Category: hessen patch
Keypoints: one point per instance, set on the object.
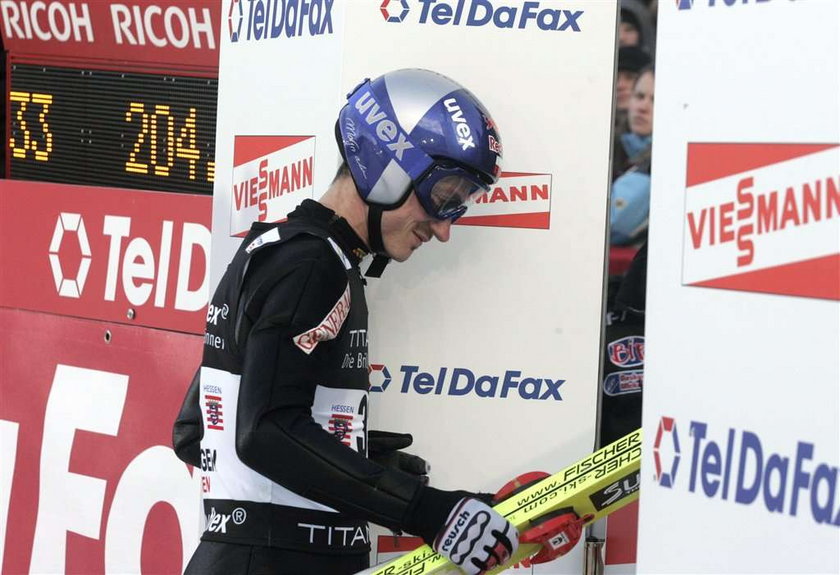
(763, 218)
(271, 176)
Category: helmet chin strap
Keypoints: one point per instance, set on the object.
(377, 244)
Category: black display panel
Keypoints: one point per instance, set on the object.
(104, 128)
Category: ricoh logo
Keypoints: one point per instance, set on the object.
(134, 269)
(462, 381)
(271, 19)
(173, 26)
(736, 465)
(73, 225)
(477, 13)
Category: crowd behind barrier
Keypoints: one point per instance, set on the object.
(623, 351)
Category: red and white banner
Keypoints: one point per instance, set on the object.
(763, 218)
(518, 200)
(271, 175)
(89, 481)
(102, 253)
(183, 33)
(741, 398)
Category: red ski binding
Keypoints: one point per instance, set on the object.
(557, 532)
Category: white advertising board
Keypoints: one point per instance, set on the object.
(487, 348)
(742, 390)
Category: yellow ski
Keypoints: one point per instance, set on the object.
(597, 485)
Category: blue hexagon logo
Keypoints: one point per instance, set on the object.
(394, 10)
(235, 19)
(666, 452)
(380, 377)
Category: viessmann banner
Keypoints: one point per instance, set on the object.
(742, 382)
(503, 322)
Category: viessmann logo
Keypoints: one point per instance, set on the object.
(477, 13)
(763, 217)
(252, 20)
(737, 465)
(462, 381)
(518, 200)
(271, 175)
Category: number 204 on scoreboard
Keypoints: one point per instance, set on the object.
(106, 128)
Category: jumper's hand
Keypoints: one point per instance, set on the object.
(476, 538)
(384, 447)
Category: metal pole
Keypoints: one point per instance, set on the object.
(593, 559)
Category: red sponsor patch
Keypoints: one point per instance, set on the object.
(329, 326)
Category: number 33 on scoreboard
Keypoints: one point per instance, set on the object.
(21, 149)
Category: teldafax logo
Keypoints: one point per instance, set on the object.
(666, 452)
(476, 13)
(394, 10)
(460, 381)
(739, 466)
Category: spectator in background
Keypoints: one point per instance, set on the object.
(630, 195)
(631, 60)
(636, 26)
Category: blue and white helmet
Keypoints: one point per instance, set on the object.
(417, 129)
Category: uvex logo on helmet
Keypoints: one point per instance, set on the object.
(462, 128)
(386, 129)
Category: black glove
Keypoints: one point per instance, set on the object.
(384, 448)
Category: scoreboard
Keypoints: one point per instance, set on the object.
(127, 100)
(112, 128)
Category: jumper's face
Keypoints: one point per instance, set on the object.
(408, 227)
(640, 112)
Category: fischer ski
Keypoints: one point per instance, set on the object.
(593, 487)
